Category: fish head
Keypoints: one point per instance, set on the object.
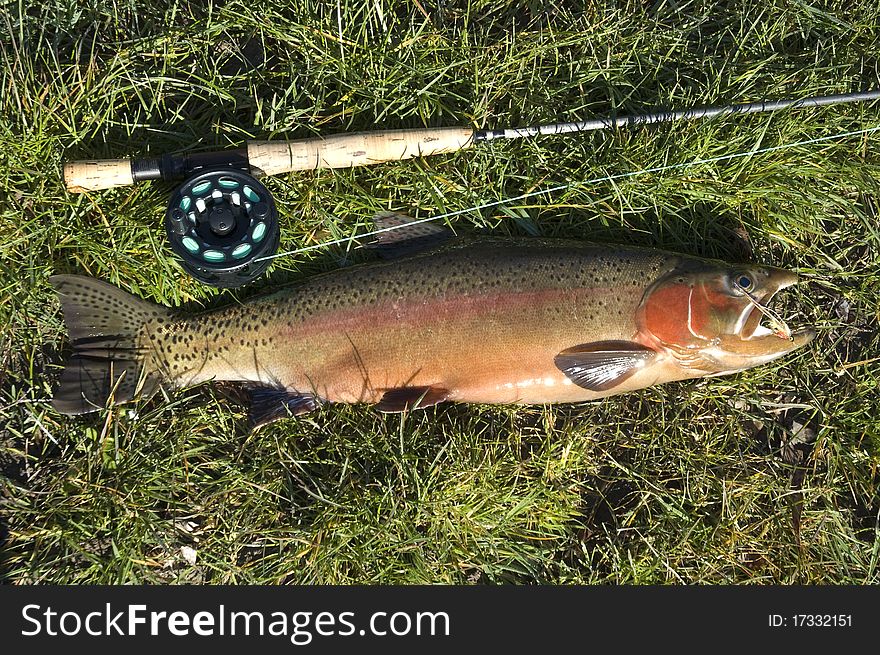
(713, 317)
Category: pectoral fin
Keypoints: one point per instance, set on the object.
(404, 399)
(602, 365)
(270, 404)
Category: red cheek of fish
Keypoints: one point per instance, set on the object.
(665, 314)
(683, 316)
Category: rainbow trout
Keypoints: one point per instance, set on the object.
(483, 320)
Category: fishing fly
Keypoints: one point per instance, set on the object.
(223, 223)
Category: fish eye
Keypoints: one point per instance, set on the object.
(744, 282)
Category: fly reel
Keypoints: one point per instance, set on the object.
(221, 223)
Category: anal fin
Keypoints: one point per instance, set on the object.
(602, 365)
(403, 399)
(270, 404)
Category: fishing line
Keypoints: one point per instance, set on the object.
(572, 185)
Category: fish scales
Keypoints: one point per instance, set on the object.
(464, 318)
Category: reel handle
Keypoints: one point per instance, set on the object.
(357, 149)
(273, 157)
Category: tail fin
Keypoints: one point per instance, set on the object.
(110, 363)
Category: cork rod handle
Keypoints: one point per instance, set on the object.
(358, 149)
(97, 174)
(273, 157)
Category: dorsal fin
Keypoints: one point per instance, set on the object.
(405, 235)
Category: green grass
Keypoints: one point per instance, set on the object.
(698, 482)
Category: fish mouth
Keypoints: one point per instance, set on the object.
(758, 320)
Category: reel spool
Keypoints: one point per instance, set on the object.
(219, 222)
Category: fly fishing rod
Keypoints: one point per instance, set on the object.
(223, 224)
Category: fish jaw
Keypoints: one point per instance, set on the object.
(734, 355)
